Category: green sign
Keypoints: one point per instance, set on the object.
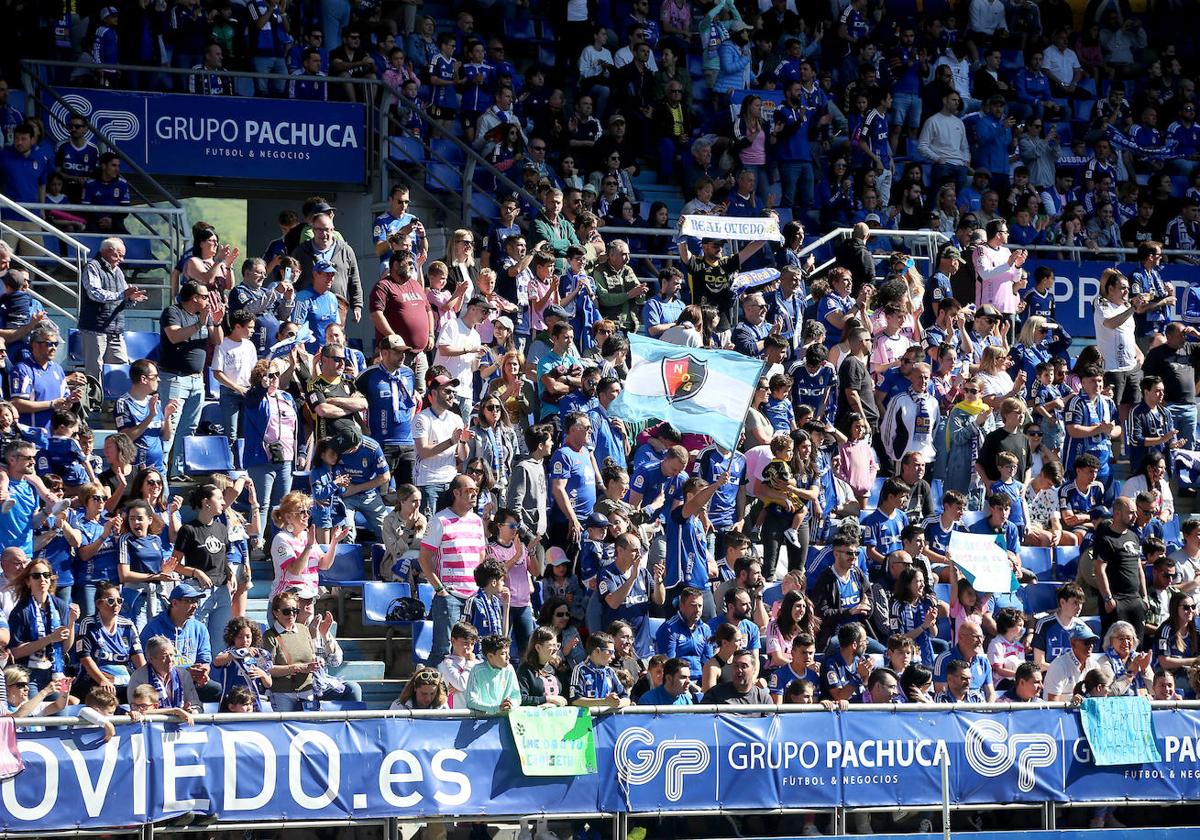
(555, 741)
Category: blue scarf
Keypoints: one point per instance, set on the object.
(175, 700)
(32, 614)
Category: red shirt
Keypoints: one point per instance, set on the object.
(406, 309)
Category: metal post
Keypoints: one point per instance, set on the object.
(1049, 816)
(620, 825)
(945, 796)
(839, 821)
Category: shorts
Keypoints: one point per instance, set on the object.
(1126, 385)
(906, 110)
(441, 112)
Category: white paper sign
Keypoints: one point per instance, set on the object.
(983, 562)
(731, 227)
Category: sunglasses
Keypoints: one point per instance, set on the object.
(96, 498)
(113, 602)
(562, 615)
(427, 678)
(16, 685)
(289, 611)
(41, 575)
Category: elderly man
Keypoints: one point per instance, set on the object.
(102, 308)
(618, 289)
(970, 650)
(39, 384)
(326, 246)
(751, 333)
(193, 647)
(1068, 669)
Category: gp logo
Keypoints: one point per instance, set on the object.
(117, 126)
(991, 752)
(640, 760)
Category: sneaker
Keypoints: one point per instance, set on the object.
(791, 537)
(60, 506)
(811, 830)
(862, 823)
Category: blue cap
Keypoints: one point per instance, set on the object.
(185, 592)
(1083, 631)
(324, 266)
(596, 520)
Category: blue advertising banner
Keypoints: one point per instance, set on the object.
(376, 768)
(1077, 285)
(224, 136)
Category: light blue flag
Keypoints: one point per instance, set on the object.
(705, 392)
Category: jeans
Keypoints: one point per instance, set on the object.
(793, 174)
(287, 703)
(370, 505)
(102, 348)
(85, 596)
(189, 391)
(269, 64)
(1184, 417)
(873, 646)
(447, 610)
(271, 483)
(232, 404)
(943, 172)
(215, 611)
(334, 15)
(144, 603)
(351, 692)
(520, 623)
(430, 493)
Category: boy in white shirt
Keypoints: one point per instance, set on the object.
(231, 365)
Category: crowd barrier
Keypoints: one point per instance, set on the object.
(370, 766)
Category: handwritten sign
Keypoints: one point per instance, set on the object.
(1119, 730)
(731, 227)
(983, 562)
(554, 741)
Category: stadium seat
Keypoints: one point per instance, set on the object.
(207, 454)
(1114, 490)
(1093, 621)
(942, 592)
(1040, 561)
(379, 595)
(347, 568)
(1171, 530)
(873, 498)
(301, 480)
(211, 412)
(422, 641)
(773, 594)
(1039, 597)
(1066, 562)
(971, 517)
(447, 151)
(116, 381)
(441, 177)
(141, 345)
(342, 705)
(74, 346)
(656, 623)
(406, 149)
(378, 552)
(1000, 600)
(519, 29)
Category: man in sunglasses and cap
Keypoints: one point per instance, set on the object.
(459, 348)
(390, 391)
(193, 647)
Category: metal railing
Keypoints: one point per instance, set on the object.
(32, 239)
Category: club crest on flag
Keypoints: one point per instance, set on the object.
(683, 377)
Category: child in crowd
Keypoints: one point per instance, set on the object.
(966, 604)
(456, 668)
(857, 464)
(595, 552)
(326, 488)
(1006, 651)
(779, 488)
(492, 686)
(559, 582)
(1048, 399)
(901, 652)
(63, 456)
(445, 304)
(778, 408)
(487, 609)
(594, 683)
(1006, 464)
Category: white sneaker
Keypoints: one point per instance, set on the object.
(60, 506)
(862, 823)
(791, 537)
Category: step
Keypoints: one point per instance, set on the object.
(359, 670)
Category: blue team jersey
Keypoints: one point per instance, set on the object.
(1071, 498)
(981, 669)
(1084, 411)
(780, 678)
(1007, 535)
(656, 312)
(634, 609)
(1051, 638)
(883, 532)
(779, 414)
(812, 387)
(318, 311)
(1151, 283)
(643, 455)
(128, 413)
(675, 639)
(112, 652)
(365, 463)
(575, 467)
(937, 536)
(478, 97)
(63, 457)
(140, 554)
(28, 381)
(836, 672)
(687, 550)
(875, 134)
(833, 303)
(1015, 491)
(595, 681)
(443, 96)
(391, 403)
(103, 565)
(106, 194)
(1039, 303)
(722, 509)
(485, 613)
(385, 225)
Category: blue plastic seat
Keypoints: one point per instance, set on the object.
(74, 346)
(210, 412)
(1039, 597)
(1040, 561)
(1171, 530)
(141, 345)
(1066, 562)
(440, 177)
(347, 568)
(773, 594)
(115, 381)
(406, 149)
(656, 623)
(1000, 600)
(447, 151)
(343, 706)
(422, 641)
(207, 454)
(378, 597)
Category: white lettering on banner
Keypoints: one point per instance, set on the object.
(296, 769)
(255, 132)
(141, 772)
(1180, 749)
(886, 753)
(94, 795)
(173, 771)
(688, 757)
(245, 741)
(440, 772)
(388, 779)
(773, 755)
(991, 751)
(35, 812)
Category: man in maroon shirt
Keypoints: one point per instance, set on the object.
(399, 306)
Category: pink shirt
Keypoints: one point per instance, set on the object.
(756, 152)
(518, 576)
(997, 276)
(857, 465)
(285, 548)
(458, 544)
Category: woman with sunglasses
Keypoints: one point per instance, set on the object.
(295, 555)
(41, 626)
(555, 616)
(505, 546)
(462, 269)
(149, 486)
(425, 690)
(494, 442)
(293, 656)
(1152, 478)
(757, 427)
(211, 263)
(107, 645)
(272, 426)
(964, 435)
(1177, 644)
(515, 391)
(22, 704)
(1031, 348)
(93, 536)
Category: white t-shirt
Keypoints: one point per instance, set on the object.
(592, 61)
(455, 333)
(434, 429)
(236, 359)
(1117, 346)
(624, 56)
(1064, 672)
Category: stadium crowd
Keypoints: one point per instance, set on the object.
(900, 400)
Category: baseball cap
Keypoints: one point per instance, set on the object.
(987, 311)
(442, 380)
(873, 217)
(596, 520)
(319, 207)
(303, 590)
(589, 187)
(951, 253)
(482, 303)
(555, 311)
(108, 11)
(345, 438)
(1082, 631)
(393, 342)
(737, 26)
(556, 556)
(504, 321)
(185, 592)
(324, 267)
